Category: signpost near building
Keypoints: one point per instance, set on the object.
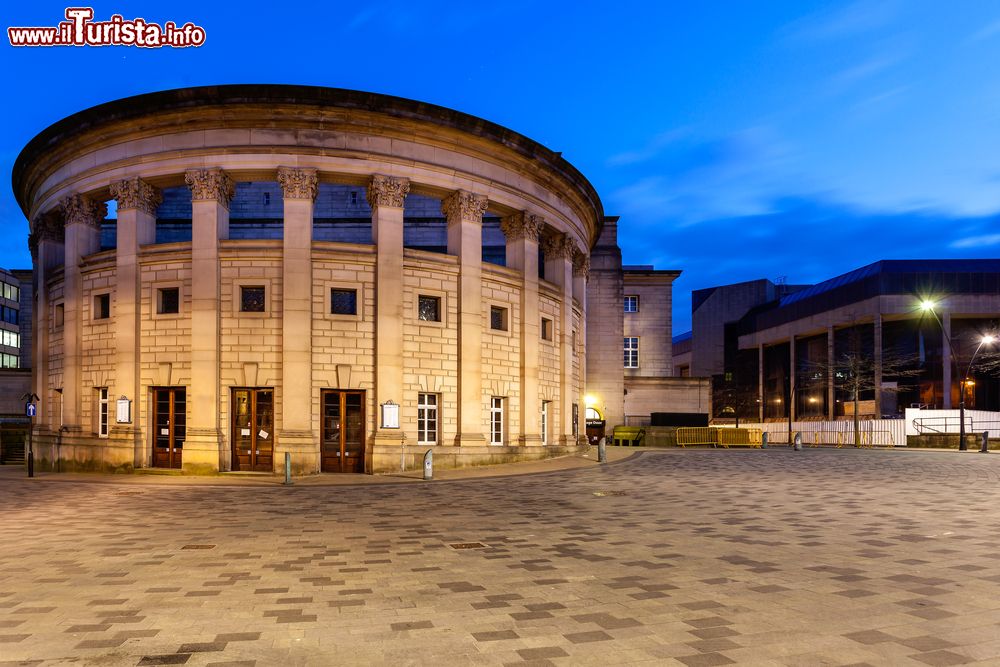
(30, 410)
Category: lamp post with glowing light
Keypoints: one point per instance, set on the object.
(928, 306)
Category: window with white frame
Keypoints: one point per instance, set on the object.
(496, 420)
(102, 412)
(632, 304)
(427, 419)
(631, 352)
(545, 422)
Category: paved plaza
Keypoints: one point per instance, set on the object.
(698, 558)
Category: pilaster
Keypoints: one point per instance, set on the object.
(522, 231)
(581, 274)
(559, 250)
(464, 212)
(296, 435)
(137, 202)
(47, 245)
(386, 196)
(211, 192)
(82, 217)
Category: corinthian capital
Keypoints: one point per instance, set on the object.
(298, 183)
(82, 210)
(559, 246)
(136, 193)
(387, 191)
(210, 184)
(46, 227)
(581, 264)
(462, 205)
(522, 225)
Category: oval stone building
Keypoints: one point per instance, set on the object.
(226, 274)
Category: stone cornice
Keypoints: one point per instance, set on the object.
(136, 193)
(464, 206)
(387, 191)
(82, 210)
(210, 185)
(298, 183)
(522, 225)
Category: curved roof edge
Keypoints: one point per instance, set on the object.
(182, 98)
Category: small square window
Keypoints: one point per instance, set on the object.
(102, 306)
(354, 197)
(343, 301)
(429, 308)
(168, 300)
(60, 314)
(546, 329)
(267, 199)
(632, 304)
(252, 299)
(498, 318)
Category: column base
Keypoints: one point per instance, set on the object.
(470, 439)
(304, 452)
(530, 441)
(202, 451)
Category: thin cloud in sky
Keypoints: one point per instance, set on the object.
(843, 21)
(976, 241)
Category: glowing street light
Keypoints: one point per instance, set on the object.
(929, 305)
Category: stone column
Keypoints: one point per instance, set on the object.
(946, 359)
(296, 435)
(831, 369)
(559, 251)
(46, 243)
(522, 230)
(877, 337)
(464, 212)
(386, 196)
(211, 192)
(581, 273)
(137, 202)
(83, 222)
(760, 382)
(791, 378)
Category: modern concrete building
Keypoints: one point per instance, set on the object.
(15, 360)
(748, 337)
(343, 277)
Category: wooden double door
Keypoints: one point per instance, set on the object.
(342, 445)
(170, 425)
(253, 429)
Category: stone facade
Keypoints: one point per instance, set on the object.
(240, 219)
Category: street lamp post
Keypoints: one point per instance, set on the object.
(929, 306)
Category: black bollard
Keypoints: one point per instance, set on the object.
(985, 449)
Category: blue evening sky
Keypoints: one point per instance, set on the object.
(736, 140)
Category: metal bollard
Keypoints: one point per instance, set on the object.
(763, 440)
(985, 449)
(429, 464)
(602, 452)
(288, 468)
(798, 441)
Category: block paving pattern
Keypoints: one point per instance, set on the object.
(695, 558)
